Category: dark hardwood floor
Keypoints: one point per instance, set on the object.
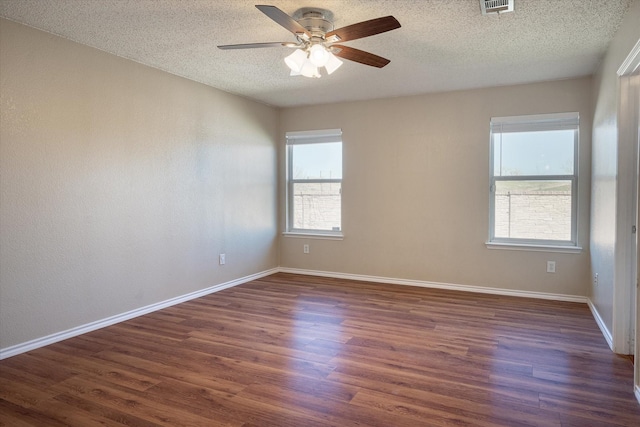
(290, 350)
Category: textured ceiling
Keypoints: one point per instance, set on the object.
(443, 44)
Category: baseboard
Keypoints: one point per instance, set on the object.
(637, 393)
(79, 330)
(437, 285)
(603, 327)
(83, 329)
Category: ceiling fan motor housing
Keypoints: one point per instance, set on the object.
(316, 23)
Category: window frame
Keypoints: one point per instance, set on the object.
(530, 123)
(309, 137)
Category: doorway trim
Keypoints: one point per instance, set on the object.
(626, 322)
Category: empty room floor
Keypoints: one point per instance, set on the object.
(293, 350)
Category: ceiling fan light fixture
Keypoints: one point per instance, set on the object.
(333, 63)
(296, 61)
(315, 38)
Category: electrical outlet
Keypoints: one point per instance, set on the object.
(223, 259)
(551, 266)
(305, 249)
(595, 279)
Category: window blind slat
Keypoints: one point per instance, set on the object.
(314, 136)
(556, 121)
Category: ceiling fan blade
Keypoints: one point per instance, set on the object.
(256, 45)
(363, 29)
(360, 56)
(283, 19)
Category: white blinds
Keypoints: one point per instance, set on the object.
(556, 121)
(314, 136)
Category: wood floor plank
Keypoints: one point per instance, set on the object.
(22, 394)
(450, 411)
(129, 401)
(325, 407)
(291, 350)
(13, 415)
(82, 413)
(95, 368)
(591, 409)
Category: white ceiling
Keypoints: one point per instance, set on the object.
(443, 45)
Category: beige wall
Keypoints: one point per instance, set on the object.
(121, 184)
(605, 164)
(416, 189)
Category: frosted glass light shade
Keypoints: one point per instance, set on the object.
(332, 64)
(309, 70)
(306, 63)
(296, 60)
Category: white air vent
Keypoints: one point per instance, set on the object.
(490, 7)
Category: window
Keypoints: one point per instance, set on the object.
(534, 180)
(314, 182)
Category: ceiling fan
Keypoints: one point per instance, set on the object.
(316, 40)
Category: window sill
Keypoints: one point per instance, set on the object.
(312, 235)
(534, 248)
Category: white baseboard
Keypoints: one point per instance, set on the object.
(83, 329)
(437, 285)
(603, 327)
(637, 393)
(79, 330)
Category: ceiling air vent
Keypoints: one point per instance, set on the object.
(489, 7)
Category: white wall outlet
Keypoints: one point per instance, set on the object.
(595, 279)
(551, 266)
(305, 249)
(223, 259)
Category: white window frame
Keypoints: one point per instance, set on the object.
(540, 122)
(309, 137)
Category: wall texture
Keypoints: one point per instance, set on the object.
(121, 184)
(416, 189)
(605, 164)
